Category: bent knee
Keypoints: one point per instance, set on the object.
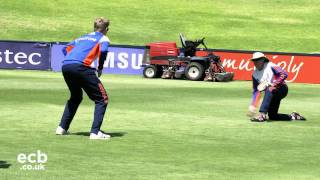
(76, 99)
(102, 103)
(105, 100)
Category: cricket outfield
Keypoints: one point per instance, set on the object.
(162, 129)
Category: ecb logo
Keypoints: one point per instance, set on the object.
(33, 161)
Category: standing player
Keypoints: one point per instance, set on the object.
(269, 78)
(78, 74)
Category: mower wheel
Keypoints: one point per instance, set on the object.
(194, 71)
(150, 71)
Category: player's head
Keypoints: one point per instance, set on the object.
(101, 25)
(258, 59)
(259, 56)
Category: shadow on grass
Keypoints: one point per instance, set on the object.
(112, 134)
(285, 120)
(4, 165)
(278, 120)
(269, 121)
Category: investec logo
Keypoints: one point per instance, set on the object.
(21, 58)
(32, 161)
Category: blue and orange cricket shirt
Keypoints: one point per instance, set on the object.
(86, 49)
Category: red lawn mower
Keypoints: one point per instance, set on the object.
(165, 60)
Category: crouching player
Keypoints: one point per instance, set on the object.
(269, 78)
(79, 75)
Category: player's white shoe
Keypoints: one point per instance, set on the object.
(61, 131)
(100, 135)
(296, 116)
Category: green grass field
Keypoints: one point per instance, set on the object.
(162, 129)
(266, 25)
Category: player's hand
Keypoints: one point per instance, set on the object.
(272, 87)
(252, 111)
(99, 72)
(263, 85)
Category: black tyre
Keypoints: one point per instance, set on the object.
(150, 71)
(159, 71)
(194, 71)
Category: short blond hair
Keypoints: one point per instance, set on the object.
(101, 24)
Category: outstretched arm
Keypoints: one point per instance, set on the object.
(255, 99)
(255, 93)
